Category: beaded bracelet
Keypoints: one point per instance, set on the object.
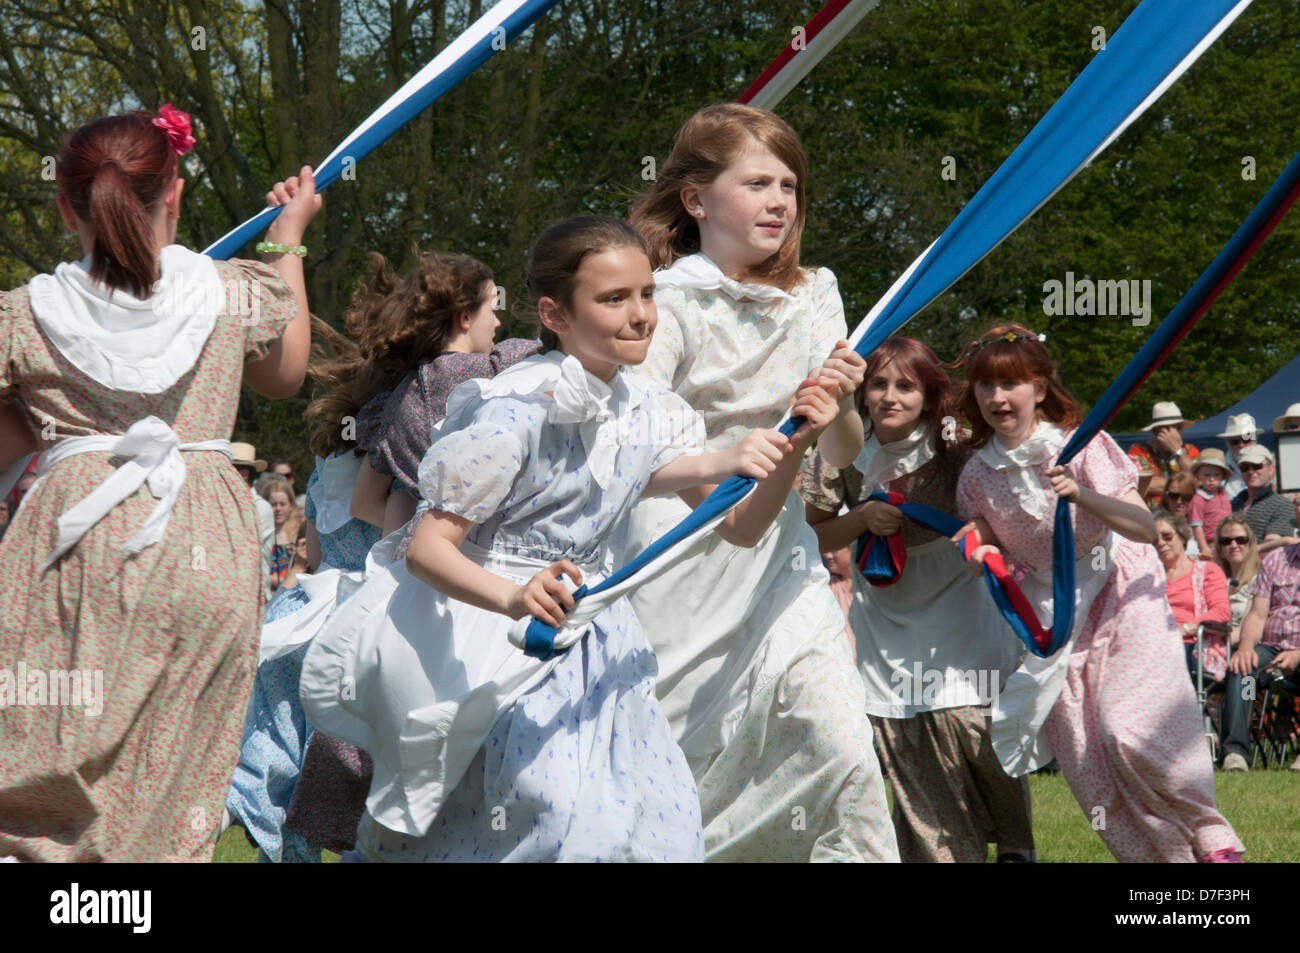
(263, 248)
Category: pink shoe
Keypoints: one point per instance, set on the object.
(1225, 855)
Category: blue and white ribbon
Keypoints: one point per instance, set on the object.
(489, 34)
(1156, 44)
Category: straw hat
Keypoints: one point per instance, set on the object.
(1241, 425)
(1280, 423)
(1165, 414)
(1212, 457)
(245, 455)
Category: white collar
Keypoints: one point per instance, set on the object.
(332, 492)
(575, 396)
(699, 272)
(1025, 464)
(127, 343)
(879, 463)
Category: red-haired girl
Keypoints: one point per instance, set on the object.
(1114, 705)
(932, 647)
(756, 672)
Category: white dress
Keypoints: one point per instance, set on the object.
(482, 753)
(755, 670)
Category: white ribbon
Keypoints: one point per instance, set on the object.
(1023, 465)
(699, 272)
(579, 398)
(155, 453)
(879, 463)
(590, 402)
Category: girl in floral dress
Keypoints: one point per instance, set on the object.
(134, 560)
(1113, 705)
(481, 752)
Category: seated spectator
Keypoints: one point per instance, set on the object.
(1270, 630)
(282, 468)
(1165, 451)
(1180, 490)
(299, 563)
(1289, 421)
(1240, 433)
(1197, 591)
(1237, 554)
(1269, 514)
(279, 494)
(1210, 505)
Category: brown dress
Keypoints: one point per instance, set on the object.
(171, 633)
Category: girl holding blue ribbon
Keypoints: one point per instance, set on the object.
(134, 559)
(483, 753)
(1113, 705)
(932, 648)
(756, 673)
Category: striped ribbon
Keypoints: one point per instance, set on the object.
(806, 49)
(489, 34)
(1153, 47)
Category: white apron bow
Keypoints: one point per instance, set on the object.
(155, 453)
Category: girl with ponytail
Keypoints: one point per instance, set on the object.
(134, 562)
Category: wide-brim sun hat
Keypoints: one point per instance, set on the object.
(1165, 414)
(245, 455)
(1212, 457)
(1241, 425)
(1292, 413)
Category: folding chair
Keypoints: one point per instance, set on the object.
(1203, 691)
(1276, 725)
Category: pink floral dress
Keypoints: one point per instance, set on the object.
(169, 636)
(1125, 729)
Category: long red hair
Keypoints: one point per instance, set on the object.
(1011, 352)
(112, 171)
(705, 146)
(914, 360)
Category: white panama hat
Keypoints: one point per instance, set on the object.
(1165, 414)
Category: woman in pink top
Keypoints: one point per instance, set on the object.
(1198, 592)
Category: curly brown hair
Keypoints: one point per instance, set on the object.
(395, 324)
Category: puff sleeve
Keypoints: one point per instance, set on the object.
(262, 302)
(469, 471)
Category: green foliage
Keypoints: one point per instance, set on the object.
(561, 123)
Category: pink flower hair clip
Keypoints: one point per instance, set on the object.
(176, 125)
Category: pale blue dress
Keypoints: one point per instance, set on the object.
(276, 731)
(583, 767)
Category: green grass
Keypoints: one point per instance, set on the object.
(1264, 807)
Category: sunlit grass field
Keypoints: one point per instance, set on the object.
(1264, 807)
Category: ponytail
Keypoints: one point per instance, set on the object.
(112, 172)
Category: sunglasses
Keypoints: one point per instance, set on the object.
(1249, 467)
(1238, 441)
(1185, 497)
(1239, 540)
